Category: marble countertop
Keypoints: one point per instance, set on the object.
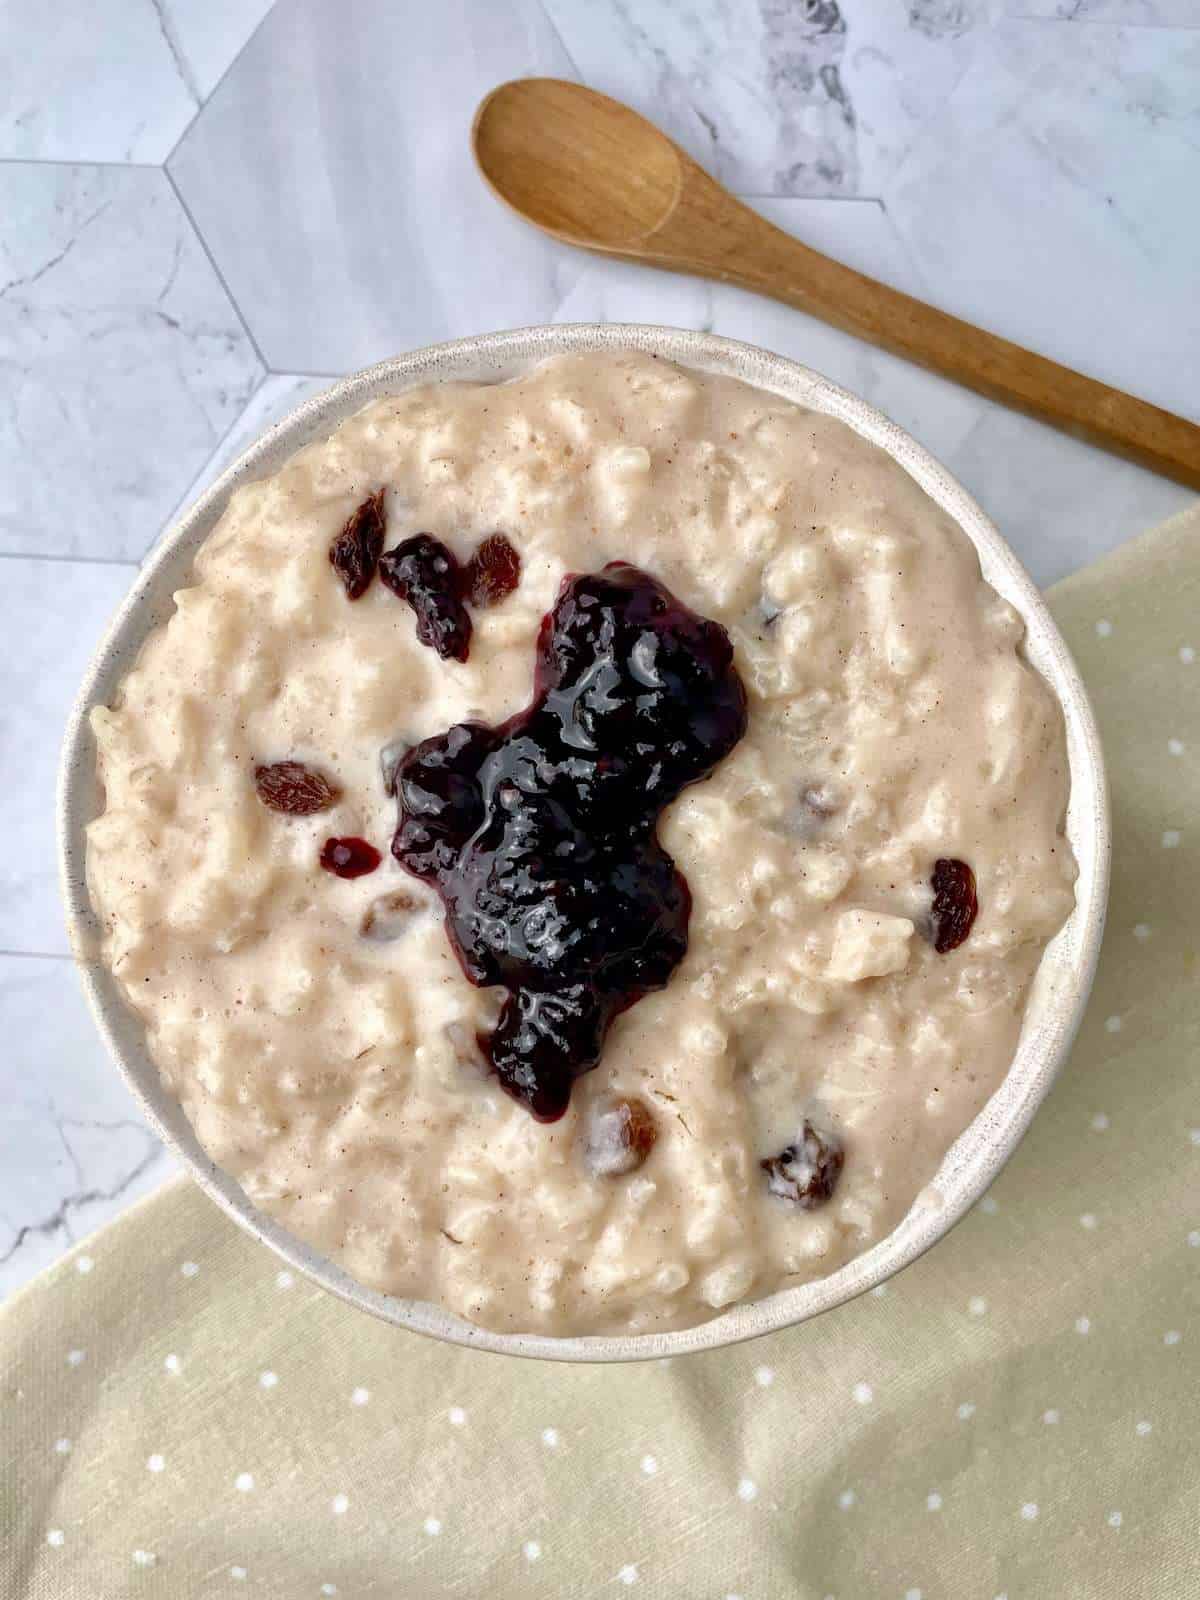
(210, 207)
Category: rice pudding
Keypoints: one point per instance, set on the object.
(480, 615)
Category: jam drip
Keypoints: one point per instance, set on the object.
(540, 835)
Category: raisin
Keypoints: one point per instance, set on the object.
(349, 858)
(540, 835)
(355, 552)
(291, 787)
(493, 572)
(424, 573)
(955, 904)
(389, 916)
(807, 1170)
(620, 1135)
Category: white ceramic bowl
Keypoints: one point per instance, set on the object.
(1063, 979)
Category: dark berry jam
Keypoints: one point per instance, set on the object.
(349, 858)
(540, 835)
(422, 571)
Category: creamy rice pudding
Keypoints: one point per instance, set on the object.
(593, 973)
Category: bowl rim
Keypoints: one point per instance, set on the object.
(1064, 976)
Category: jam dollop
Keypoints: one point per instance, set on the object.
(540, 834)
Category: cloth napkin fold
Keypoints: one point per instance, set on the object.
(1014, 1416)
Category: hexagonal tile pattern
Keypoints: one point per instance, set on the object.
(331, 177)
(125, 362)
(206, 35)
(776, 97)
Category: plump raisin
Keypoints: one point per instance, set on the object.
(493, 572)
(424, 573)
(349, 858)
(955, 904)
(807, 1170)
(540, 835)
(356, 550)
(291, 787)
(388, 917)
(620, 1134)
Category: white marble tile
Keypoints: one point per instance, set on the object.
(772, 96)
(361, 228)
(54, 612)
(73, 1148)
(89, 80)
(1132, 13)
(206, 36)
(125, 363)
(1052, 200)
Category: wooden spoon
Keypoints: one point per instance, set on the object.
(593, 173)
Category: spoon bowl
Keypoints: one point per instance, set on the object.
(615, 200)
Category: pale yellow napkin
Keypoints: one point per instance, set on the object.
(1016, 1415)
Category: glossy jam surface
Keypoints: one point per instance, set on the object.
(422, 571)
(540, 835)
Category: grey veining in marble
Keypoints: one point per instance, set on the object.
(1133, 13)
(125, 363)
(112, 80)
(89, 80)
(206, 36)
(73, 1149)
(1031, 164)
(775, 97)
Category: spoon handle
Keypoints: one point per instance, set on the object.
(745, 249)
